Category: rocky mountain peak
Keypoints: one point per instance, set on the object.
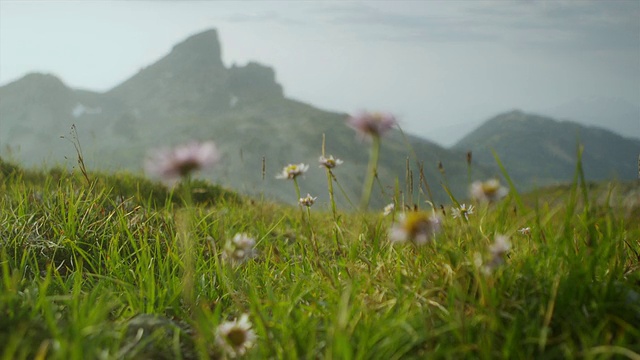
(198, 51)
(192, 74)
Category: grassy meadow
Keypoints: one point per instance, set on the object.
(114, 266)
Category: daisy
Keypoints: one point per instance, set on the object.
(389, 209)
(463, 211)
(329, 162)
(525, 231)
(239, 249)
(488, 191)
(235, 337)
(308, 200)
(171, 165)
(417, 227)
(500, 246)
(372, 124)
(497, 251)
(292, 171)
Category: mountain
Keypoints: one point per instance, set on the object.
(620, 116)
(538, 150)
(190, 94)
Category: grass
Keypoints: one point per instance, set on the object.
(96, 270)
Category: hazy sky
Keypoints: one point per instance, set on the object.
(442, 67)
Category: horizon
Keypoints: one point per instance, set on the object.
(571, 62)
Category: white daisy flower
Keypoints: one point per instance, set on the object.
(488, 191)
(500, 246)
(462, 212)
(525, 231)
(292, 171)
(329, 162)
(235, 337)
(389, 209)
(308, 200)
(239, 249)
(417, 227)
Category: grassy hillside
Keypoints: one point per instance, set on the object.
(115, 267)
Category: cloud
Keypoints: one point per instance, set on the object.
(261, 14)
(613, 25)
(572, 25)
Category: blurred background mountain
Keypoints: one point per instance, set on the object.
(190, 94)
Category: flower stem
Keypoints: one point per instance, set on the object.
(312, 235)
(344, 193)
(295, 184)
(333, 202)
(371, 173)
(184, 223)
(330, 178)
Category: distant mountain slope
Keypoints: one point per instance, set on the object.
(620, 116)
(537, 150)
(190, 94)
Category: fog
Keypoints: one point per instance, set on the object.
(441, 67)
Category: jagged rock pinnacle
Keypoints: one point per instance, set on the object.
(198, 49)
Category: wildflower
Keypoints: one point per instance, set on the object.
(389, 209)
(497, 251)
(417, 227)
(235, 337)
(500, 246)
(488, 191)
(477, 259)
(239, 249)
(463, 211)
(308, 200)
(525, 231)
(173, 164)
(372, 124)
(292, 171)
(329, 162)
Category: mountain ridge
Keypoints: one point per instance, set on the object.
(186, 95)
(552, 145)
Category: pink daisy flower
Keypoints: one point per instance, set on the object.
(372, 124)
(171, 165)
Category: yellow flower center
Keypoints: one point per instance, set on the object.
(490, 187)
(416, 223)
